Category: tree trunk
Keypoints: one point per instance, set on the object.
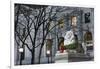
(40, 54)
(33, 50)
(33, 56)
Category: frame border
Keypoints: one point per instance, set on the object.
(12, 66)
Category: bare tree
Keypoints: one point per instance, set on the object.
(34, 18)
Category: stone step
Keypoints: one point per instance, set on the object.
(80, 55)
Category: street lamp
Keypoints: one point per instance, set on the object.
(49, 49)
(48, 54)
(21, 50)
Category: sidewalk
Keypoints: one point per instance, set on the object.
(61, 57)
(78, 57)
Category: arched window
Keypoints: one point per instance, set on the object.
(88, 36)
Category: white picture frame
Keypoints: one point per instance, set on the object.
(55, 3)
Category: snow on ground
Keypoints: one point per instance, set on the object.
(61, 57)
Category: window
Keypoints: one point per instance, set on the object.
(61, 23)
(87, 17)
(88, 36)
(74, 21)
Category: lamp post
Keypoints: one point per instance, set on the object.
(48, 54)
(21, 50)
(49, 49)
